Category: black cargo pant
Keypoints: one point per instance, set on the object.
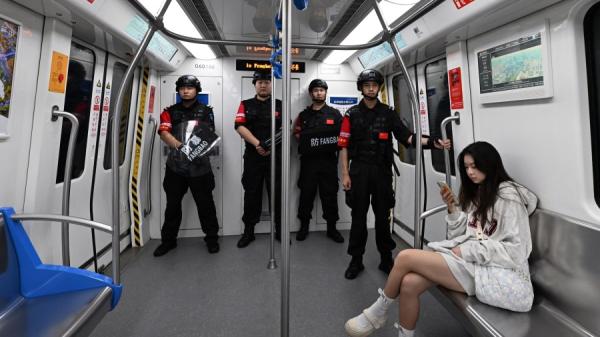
(175, 187)
(370, 182)
(318, 172)
(257, 172)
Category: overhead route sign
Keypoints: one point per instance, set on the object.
(244, 65)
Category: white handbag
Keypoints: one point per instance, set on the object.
(505, 288)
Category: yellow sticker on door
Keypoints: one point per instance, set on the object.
(58, 72)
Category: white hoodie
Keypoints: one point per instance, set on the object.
(507, 239)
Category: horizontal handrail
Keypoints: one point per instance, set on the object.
(62, 218)
(433, 211)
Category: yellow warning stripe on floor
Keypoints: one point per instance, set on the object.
(135, 202)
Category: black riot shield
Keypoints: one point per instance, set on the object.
(200, 142)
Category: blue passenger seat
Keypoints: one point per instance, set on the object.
(38, 300)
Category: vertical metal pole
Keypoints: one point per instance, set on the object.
(66, 199)
(418, 243)
(445, 122)
(272, 263)
(116, 246)
(285, 170)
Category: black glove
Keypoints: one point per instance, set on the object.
(349, 198)
(431, 141)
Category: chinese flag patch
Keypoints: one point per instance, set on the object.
(384, 135)
(329, 122)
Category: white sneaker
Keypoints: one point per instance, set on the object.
(371, 319)
(402, 332)
(359, 326)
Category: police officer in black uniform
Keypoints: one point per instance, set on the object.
(253, 123)
(317, 129)
(367, 157)
(181, 173)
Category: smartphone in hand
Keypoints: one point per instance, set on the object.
(444, 187)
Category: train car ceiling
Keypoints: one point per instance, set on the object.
(427, 35)
(112, 25)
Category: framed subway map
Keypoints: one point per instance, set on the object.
(8, 49)
(514, 64)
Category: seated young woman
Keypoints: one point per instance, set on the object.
(488, 245)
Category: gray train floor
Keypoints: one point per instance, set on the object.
(189, 292)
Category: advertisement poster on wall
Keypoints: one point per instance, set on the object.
(8, 48)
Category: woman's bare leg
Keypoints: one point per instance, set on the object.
(430, 265)
(413, 285)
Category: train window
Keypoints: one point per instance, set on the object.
(438, 104)
(78, 99)
(402, 105)
(117, 79)
(592, 51)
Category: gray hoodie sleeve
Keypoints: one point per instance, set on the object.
(457, 224)
(504, 247)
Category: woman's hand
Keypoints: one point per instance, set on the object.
(346, 182)
(448, 198)
(456, 251)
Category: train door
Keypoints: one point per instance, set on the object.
(405, 161)
(434, 107)
(83, 88)
(264, 225)
(212, 94)
(101, 185)
(434, 99)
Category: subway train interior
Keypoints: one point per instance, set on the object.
(77, 236)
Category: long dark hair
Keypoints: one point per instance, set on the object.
(481, 196)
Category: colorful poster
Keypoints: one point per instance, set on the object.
(8, 49)
(456, 93)
(58, 72)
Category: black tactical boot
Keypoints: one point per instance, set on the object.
(164, 248)
(303, 232)
(387, 262)
(212, 246)
(333, 233)
(354, 268)
(247, 237)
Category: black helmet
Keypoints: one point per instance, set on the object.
(261, 75)
(317, 83)
(368, 75)
(188, 81)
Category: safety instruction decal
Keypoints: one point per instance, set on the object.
(58, 72)
(455, 85)
(423, 116)
(462, 3)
